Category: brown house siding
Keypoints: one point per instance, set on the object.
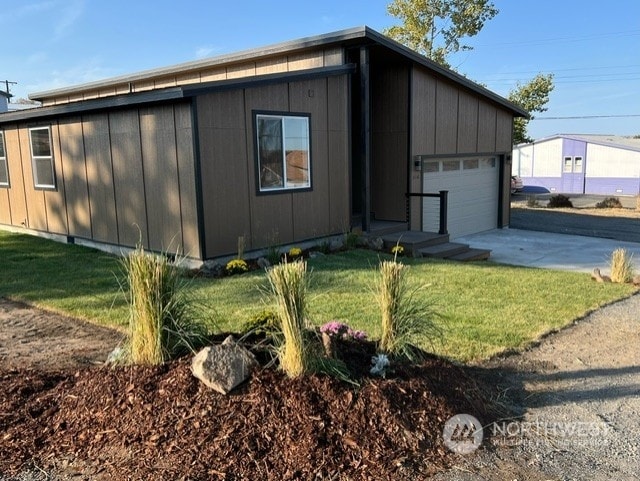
(231, 206)
(120, 177)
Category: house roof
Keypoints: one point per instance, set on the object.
(342, 37)
(608, 140)
(5, 94)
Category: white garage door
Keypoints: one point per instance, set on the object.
(473, 194)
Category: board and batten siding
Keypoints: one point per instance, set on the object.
(447, 119)
(231, 206)
(121, 177)
(293, 61)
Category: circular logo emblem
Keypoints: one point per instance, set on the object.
(462, 434)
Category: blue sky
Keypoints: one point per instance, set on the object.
(593, 48)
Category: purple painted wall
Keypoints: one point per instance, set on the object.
(612, 185)
(541, 185)
(574, 148)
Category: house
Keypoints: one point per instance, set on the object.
(283, 144)
(580, 164)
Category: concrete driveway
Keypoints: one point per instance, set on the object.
(549, 250)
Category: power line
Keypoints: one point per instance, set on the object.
(577, 117)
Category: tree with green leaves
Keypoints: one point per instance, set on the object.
(532, 96)
(437, 29)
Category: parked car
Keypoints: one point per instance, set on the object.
(516, 184)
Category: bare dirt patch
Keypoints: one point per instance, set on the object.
(33, 338)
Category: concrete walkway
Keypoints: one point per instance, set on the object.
(548, 250)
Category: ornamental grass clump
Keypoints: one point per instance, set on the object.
(289, 283)
(162, 318)
(405, 316)
(621, 266)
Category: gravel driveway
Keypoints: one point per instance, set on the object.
(579, 395)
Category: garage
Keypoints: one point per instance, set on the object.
(473, 185)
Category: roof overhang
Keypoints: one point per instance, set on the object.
(353, 36)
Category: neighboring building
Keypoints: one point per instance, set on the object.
(4, 101)
(583, 164)
(288, 143)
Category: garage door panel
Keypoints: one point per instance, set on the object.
(472, 201)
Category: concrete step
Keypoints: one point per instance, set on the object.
(444, 251)
(472, 255)
(412, 241)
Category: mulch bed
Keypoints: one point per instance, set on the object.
(159, 423)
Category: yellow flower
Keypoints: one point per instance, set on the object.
(295, 252)
(397, 250)
(236, 266)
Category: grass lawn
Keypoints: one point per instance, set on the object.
(486, 308)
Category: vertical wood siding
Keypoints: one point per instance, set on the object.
(231, 205)
(121, 177)
(321, 57)
(17, 199)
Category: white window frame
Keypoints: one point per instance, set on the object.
(3, 161)
(286, 186)
(577, 164)
(35, 158)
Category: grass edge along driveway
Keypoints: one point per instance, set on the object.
(486, 308)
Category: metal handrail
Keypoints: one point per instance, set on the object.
(443, 195)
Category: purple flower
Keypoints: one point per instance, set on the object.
(340, 329)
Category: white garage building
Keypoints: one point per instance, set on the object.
(582, 164)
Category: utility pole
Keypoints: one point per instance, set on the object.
(7, 83)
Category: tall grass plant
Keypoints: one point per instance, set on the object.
(289, 284)
(621, 266)
(405, 317)
(162, 318)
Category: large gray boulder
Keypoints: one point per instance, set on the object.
(224, 366)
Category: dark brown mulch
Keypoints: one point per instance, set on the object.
(161, 423)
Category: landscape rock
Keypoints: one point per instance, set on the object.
(263, 263)
(212, 268)
(375, 243)
(336, 245)
(224, 366)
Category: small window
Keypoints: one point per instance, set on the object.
(568, 165)
(469, 164)
(283, 152)
(42, 158)
(431, 166)
(577, 164)
(4, 170)
(449, 165)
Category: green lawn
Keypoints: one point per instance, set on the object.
(487, 308)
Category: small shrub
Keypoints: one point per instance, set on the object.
(559, 201)
(325, 247)
(638, 202)
(532, 201)
(405, 317)
(265, 321)
(621, 266)
(289, 283)
(236, 266)
(351, 240)
(295, 252)
(162, 318)
(609, 203)
(273, 255)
